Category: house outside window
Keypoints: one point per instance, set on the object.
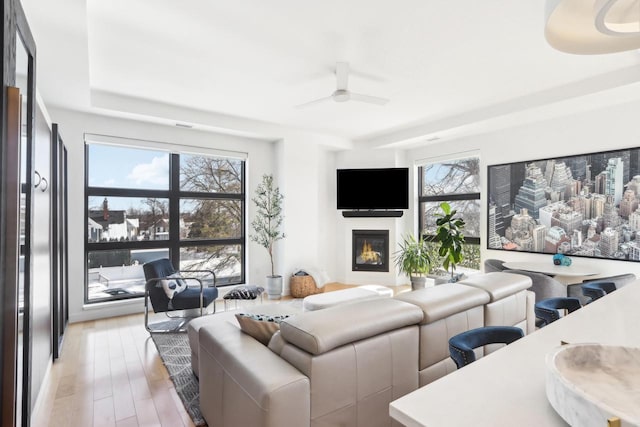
(457, 182)
(144, 204)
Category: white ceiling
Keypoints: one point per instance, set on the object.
(446, 66)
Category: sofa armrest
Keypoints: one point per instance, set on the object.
(242, 382)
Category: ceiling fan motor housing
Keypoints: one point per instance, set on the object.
(341, 95)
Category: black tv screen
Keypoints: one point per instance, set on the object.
(373, 188)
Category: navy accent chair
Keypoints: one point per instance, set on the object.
(595, 290)
(191, 298)
(547, 310)
(461, 346)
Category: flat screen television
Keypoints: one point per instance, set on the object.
(373, 188)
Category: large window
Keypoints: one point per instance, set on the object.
(456, 182)
(144, 204)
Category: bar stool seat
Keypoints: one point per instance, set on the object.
(547, 310)
(595, 290)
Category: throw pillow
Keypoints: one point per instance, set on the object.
(244, 292)
(260, 326)
(173, 284)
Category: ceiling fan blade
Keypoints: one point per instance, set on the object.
(368, 98)
(342, 75)
(314, 102)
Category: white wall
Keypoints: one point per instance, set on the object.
(299, 163)
(301, 173)
(317, 234)
(607, 129)
(364, 158)
(73, 125)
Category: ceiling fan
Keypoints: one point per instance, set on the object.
(342, 94)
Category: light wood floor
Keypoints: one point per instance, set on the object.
(110, 374)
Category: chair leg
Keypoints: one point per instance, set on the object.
(147, 326)
(146, 311)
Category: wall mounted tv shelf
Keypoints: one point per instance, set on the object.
(372, 214)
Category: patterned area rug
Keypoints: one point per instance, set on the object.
(176, 355)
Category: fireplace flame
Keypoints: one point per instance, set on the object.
(367, 254)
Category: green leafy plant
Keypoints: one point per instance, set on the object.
(269, 217)
(413, 258)
(449, 234)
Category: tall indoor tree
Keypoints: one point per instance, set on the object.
(266, 226)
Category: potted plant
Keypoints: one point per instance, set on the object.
(266, 227)
(413, 260)
(449, 235)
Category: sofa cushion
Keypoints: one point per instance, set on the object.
(260, 326)
(444, 300)
(499, 285)
(317, 332)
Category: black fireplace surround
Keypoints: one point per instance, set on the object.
(370, 250)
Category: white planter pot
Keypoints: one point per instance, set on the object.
(439, 280)
(274, 287)
(418, 283)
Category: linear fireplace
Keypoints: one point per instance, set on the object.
(370, 250)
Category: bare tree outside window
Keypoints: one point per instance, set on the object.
(140, 209)
(211, 218)
(456, 182)
(210, 174)
(453, 177)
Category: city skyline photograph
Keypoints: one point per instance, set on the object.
(582, 205)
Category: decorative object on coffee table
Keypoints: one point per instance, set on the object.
(266, 227)
(413, 260)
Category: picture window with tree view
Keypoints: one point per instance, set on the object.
(144, 204)
(456, 182)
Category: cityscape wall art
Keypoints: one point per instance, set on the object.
(582, 205)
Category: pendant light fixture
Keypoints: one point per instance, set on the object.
(590, 27)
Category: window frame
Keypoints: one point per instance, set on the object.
(174, 195)
(450, 197)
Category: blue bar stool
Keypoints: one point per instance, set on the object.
(595, 290)
(461, 346)
(547, 309)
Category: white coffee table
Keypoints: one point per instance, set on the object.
(344, 296)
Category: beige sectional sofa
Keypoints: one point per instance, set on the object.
(343, 365)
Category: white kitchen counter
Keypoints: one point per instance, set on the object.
(507, 388)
